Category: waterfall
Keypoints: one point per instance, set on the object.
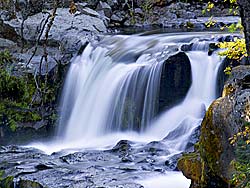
(112, 92)
(103, 95)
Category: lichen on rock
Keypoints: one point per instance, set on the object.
(225, 117)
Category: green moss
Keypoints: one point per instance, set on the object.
(16, 95)
(22, 98)
(8, 182)
(190, 165)
(13, 125)
(210, 144)
(30, 184)
(1, 174)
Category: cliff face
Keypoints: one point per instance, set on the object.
(210, 165)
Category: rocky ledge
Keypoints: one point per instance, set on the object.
(27, 167)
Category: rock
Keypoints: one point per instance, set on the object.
(103, 6)
(191, 166)
(29, 183)
(8, 32)
(7, 182)
(123, 147)
(64, 24)
(155, 147)
(138, 11)
(175, 81)
(186, 14)
(89, 12)
(34, 65)
(171, 163)
(81, 6)
(224, 118)
(5, 15)
(187, 47)
(118, 17)
(27, 8)
(6, 44)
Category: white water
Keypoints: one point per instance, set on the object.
(111, 91)
(169, 180)
(186, 116)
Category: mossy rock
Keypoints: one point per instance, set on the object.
(7, 182)
(225, 117)
(29, 184)
(191, 166)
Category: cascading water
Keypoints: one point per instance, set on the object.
(112, 89)
(108, 95)
(179, 122)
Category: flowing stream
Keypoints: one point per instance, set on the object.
(111, 93)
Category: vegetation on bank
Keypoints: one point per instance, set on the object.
(238, 50)
(20, 99)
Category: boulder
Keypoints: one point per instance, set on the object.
(225, 117)
(103, 6)
(175, 81)
(89, 12)
(64, 24)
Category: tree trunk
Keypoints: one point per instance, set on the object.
(244, 6)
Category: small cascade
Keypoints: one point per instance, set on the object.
(179, 122)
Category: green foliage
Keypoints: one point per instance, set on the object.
(16, 95)
(234, 27)
(210, 23)
(1, 174)
(241, 142)
(5, 57)
(233, 50)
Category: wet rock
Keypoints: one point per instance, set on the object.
(224, 118)
(171, 163)
(194, 138)
(176, 79)
(155, 148)
(123, 147)
(187, 47)
(191, 166)
(212, 48)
